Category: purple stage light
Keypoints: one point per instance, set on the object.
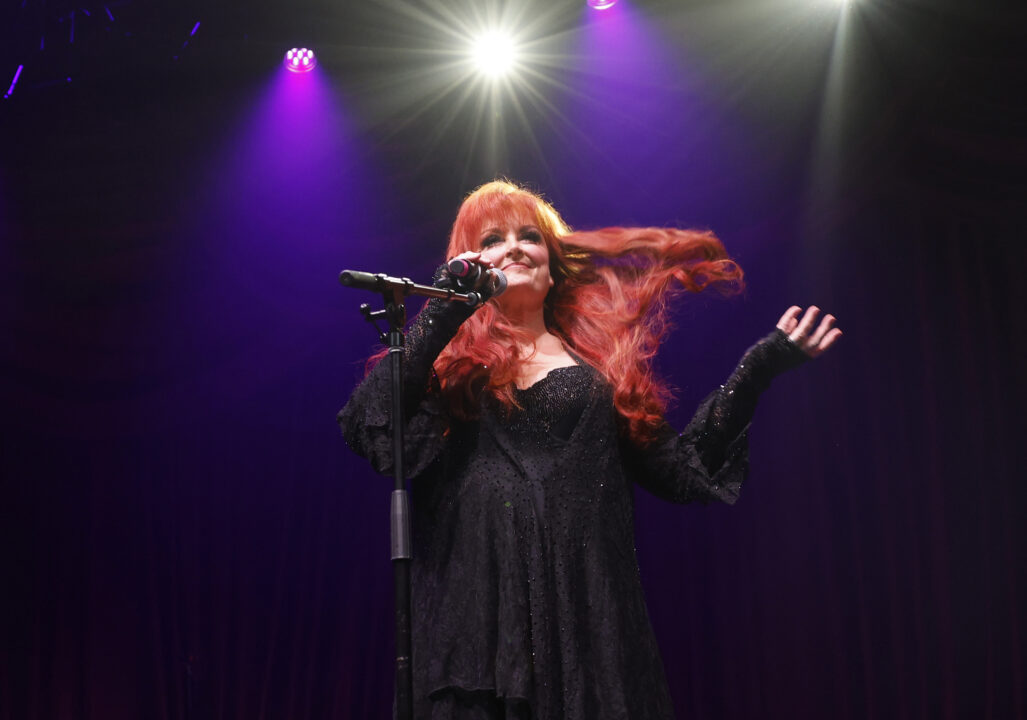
(601, 4)
(300, 60)
(17, 74)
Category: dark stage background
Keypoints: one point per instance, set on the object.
(184, 533)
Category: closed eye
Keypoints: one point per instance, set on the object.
(490, 240)
(532, 236)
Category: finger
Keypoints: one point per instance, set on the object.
(830, 339)
(471, 256)
(822, 330)
(468, 255)
(477, 257)
(788, 320)
(801, 333)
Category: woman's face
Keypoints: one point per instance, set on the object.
(519, 250)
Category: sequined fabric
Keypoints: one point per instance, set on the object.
(527, 597)
(553, 405)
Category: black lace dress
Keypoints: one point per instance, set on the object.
(527, 601)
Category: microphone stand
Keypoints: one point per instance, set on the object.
(393, 291)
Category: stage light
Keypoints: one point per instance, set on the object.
(300, 60)
(494, 54)
(17, 74)
(600, 4)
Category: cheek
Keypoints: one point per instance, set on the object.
(546, 274)
(541, 259)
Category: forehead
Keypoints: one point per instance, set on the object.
(506, 224)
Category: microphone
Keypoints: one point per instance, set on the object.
(475, 279)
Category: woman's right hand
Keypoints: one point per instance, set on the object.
(445, 278)
(471, 256)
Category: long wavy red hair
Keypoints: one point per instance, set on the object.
(608, 304)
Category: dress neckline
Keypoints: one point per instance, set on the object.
(547, 376)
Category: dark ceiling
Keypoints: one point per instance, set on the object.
(923, 68)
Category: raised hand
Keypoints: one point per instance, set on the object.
(801, 332)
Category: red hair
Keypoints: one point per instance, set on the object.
(608, 305)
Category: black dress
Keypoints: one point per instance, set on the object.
(527, 601)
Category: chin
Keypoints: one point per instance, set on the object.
(520, 291)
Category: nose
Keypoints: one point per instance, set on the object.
(513, 248)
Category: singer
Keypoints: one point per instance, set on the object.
(529, 420)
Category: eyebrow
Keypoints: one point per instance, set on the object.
(498, 230)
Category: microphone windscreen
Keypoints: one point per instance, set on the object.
(500, 281)
(459, 268)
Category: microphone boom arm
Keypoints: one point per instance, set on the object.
(401, 287)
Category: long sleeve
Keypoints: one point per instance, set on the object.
(366, 420)
(709, 460)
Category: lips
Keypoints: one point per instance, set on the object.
(513, 265)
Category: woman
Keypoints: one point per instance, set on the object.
(524, 443)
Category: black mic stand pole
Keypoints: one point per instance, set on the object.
(393, 291)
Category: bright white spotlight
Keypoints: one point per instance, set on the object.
(600, 4)
(494, 53)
